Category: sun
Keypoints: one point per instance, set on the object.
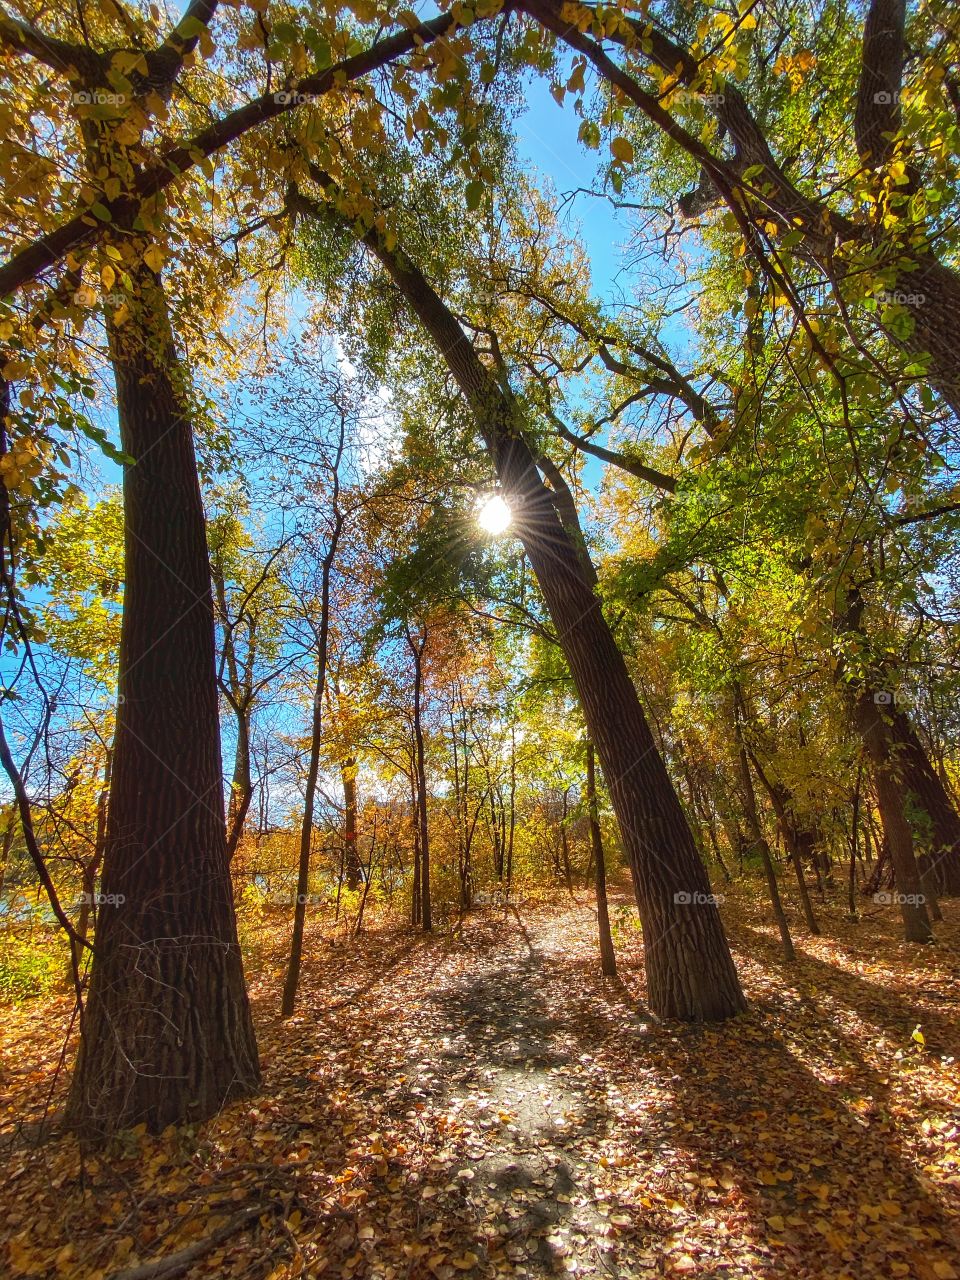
(494, 515)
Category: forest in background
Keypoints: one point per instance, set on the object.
(384, 578)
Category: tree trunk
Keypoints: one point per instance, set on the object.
(89, 873)
(876, 735)
(759, 842)
(565, 841)
(167, 1035)
(793, 838)
(348, 771)
(241, 784)
(316, 727)
(925, 787)
(707, 817)
(608, 959)
(241, 787)
(690, 972)
(416, 902)
(497, 831)
(294, 964)
(238, 696)
(417, 648)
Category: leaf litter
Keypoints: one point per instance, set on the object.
(484, 1103)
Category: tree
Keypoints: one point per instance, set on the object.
(167, 1033)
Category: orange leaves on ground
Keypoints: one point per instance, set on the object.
(491, 1107)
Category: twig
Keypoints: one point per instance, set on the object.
(174, 1264)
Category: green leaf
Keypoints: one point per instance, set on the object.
(285, 32)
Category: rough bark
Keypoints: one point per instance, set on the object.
(911, 899)
(167, 1034)
(877, 115)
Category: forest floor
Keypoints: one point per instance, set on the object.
(483, 1103)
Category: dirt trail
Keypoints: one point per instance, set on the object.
(492, 1046)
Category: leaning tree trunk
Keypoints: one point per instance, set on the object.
(690, 972)
(926, 789)
(167, 1034)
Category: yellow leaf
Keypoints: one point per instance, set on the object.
(107, 275)
(127, 134)
(129, 60)
(621, 149)
(154, 257)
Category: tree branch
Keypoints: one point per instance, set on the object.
(659, 479)
(881, 72)
(84, 227)
(58, 55)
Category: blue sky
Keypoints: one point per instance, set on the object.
(547, 139)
